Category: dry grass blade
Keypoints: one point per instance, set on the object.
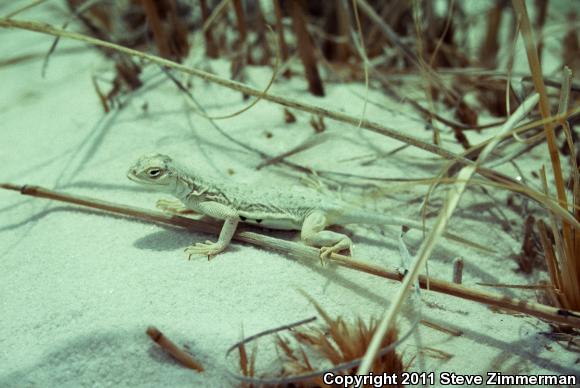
(432, 238)
(436, 353)
(395, 40)
(342, 343)
(217, 11)
(293, 249)
(428, 87)
(159, 33)
(306, 48)
(490, 47)
(337, 330)
(310, 142)
(519, 286)
(211, 49)
(572, 260)
(166, 344)
(562, 254)
(551, 261)
(247, 365)
(447, 330)
(250, 105)
(282, 46)
(538, 78)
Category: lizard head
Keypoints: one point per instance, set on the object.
(154, 170)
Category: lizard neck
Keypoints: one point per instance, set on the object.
(186, 184)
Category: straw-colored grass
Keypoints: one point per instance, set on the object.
(338, 344)
(563, 255)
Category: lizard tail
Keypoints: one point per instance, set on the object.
(359, 216)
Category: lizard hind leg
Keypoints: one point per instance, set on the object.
(329, 242)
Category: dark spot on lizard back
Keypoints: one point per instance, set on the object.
(243, 218)
(258, 220)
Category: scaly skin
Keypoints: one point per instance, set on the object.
(295, 208)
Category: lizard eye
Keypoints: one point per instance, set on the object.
(154, 172)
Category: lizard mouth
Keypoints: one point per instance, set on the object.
(133, 177)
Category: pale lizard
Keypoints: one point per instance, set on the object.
(296, 208)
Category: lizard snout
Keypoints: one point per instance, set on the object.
(131, 173)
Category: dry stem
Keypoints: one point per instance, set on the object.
(211, 49)
(166, 344)
(306, 48)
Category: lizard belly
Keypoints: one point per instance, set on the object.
(281, 223)
(276, 224)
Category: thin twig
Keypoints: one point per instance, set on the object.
(457, 270)
(166, 344)
(396, 41)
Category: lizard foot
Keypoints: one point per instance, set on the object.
(325, 252)
(208, 249)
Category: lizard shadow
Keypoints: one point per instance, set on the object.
(169, 239)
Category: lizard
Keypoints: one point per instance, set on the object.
(299, 208)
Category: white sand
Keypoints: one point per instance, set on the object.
(79, 287)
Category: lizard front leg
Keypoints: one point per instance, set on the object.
(173, 207)
(231, 219)
(313, 234)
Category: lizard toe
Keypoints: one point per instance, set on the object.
(325, 253)
(208, 248)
